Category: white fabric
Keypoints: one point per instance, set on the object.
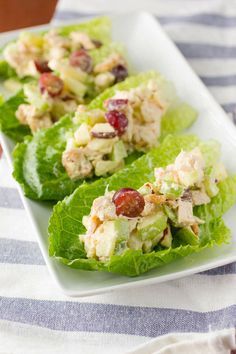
(220, 342)
(205, 302)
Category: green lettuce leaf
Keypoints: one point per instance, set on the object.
(133, 263)
(98, 28)
(66, 221)
(6, 71)
(38, 167)
(9, 124)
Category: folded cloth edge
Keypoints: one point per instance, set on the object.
(220, 342)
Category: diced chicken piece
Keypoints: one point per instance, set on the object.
(54, 39)
(22, 113)
(159, 174)
(161, 91)
(151, 203)
(70, 105)
(172, 203)
(128, 135)
(109, 63)
(149, 208)
(104, 208)
(150, 111)
(190, 167)
(146, 135)
(104, 80)
(56, 53)
(185, 213)
(21, 61)
(200, 197)
(168, 173)
(38, 122)
(71, 144)
(76, 164)
(91, 223)
(81, 108)
(160, 101)
(56, 45)
(29, 115)
(89, 244)
(80, 39)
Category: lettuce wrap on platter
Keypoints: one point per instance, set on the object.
(118, 126)
(57, 71)
(166, 205)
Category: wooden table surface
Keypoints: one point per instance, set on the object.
(16, 14)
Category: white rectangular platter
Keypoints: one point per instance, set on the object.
(148, 48)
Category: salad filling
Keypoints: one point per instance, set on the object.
(129, 121)
(34, 53)
(157, 214)
(69, 70)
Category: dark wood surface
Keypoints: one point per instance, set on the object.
(16, 14)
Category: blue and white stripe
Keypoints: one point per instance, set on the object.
(33, 313)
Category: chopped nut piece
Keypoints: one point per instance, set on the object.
(156, 199)
(195, 229)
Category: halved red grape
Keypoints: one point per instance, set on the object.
(120, 72)
(118, 121)
(51, 84)
(128, 202)
(80, 58)
(42, 66)
(97, 43)
(116, 104)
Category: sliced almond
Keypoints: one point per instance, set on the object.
(155, 199)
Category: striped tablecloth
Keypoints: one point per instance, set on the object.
(34, 316)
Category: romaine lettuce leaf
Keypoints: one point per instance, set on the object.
(98, 28)
(133, 263)
(6, 71)
(38, 166)
(9, 124)
(66, 221)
